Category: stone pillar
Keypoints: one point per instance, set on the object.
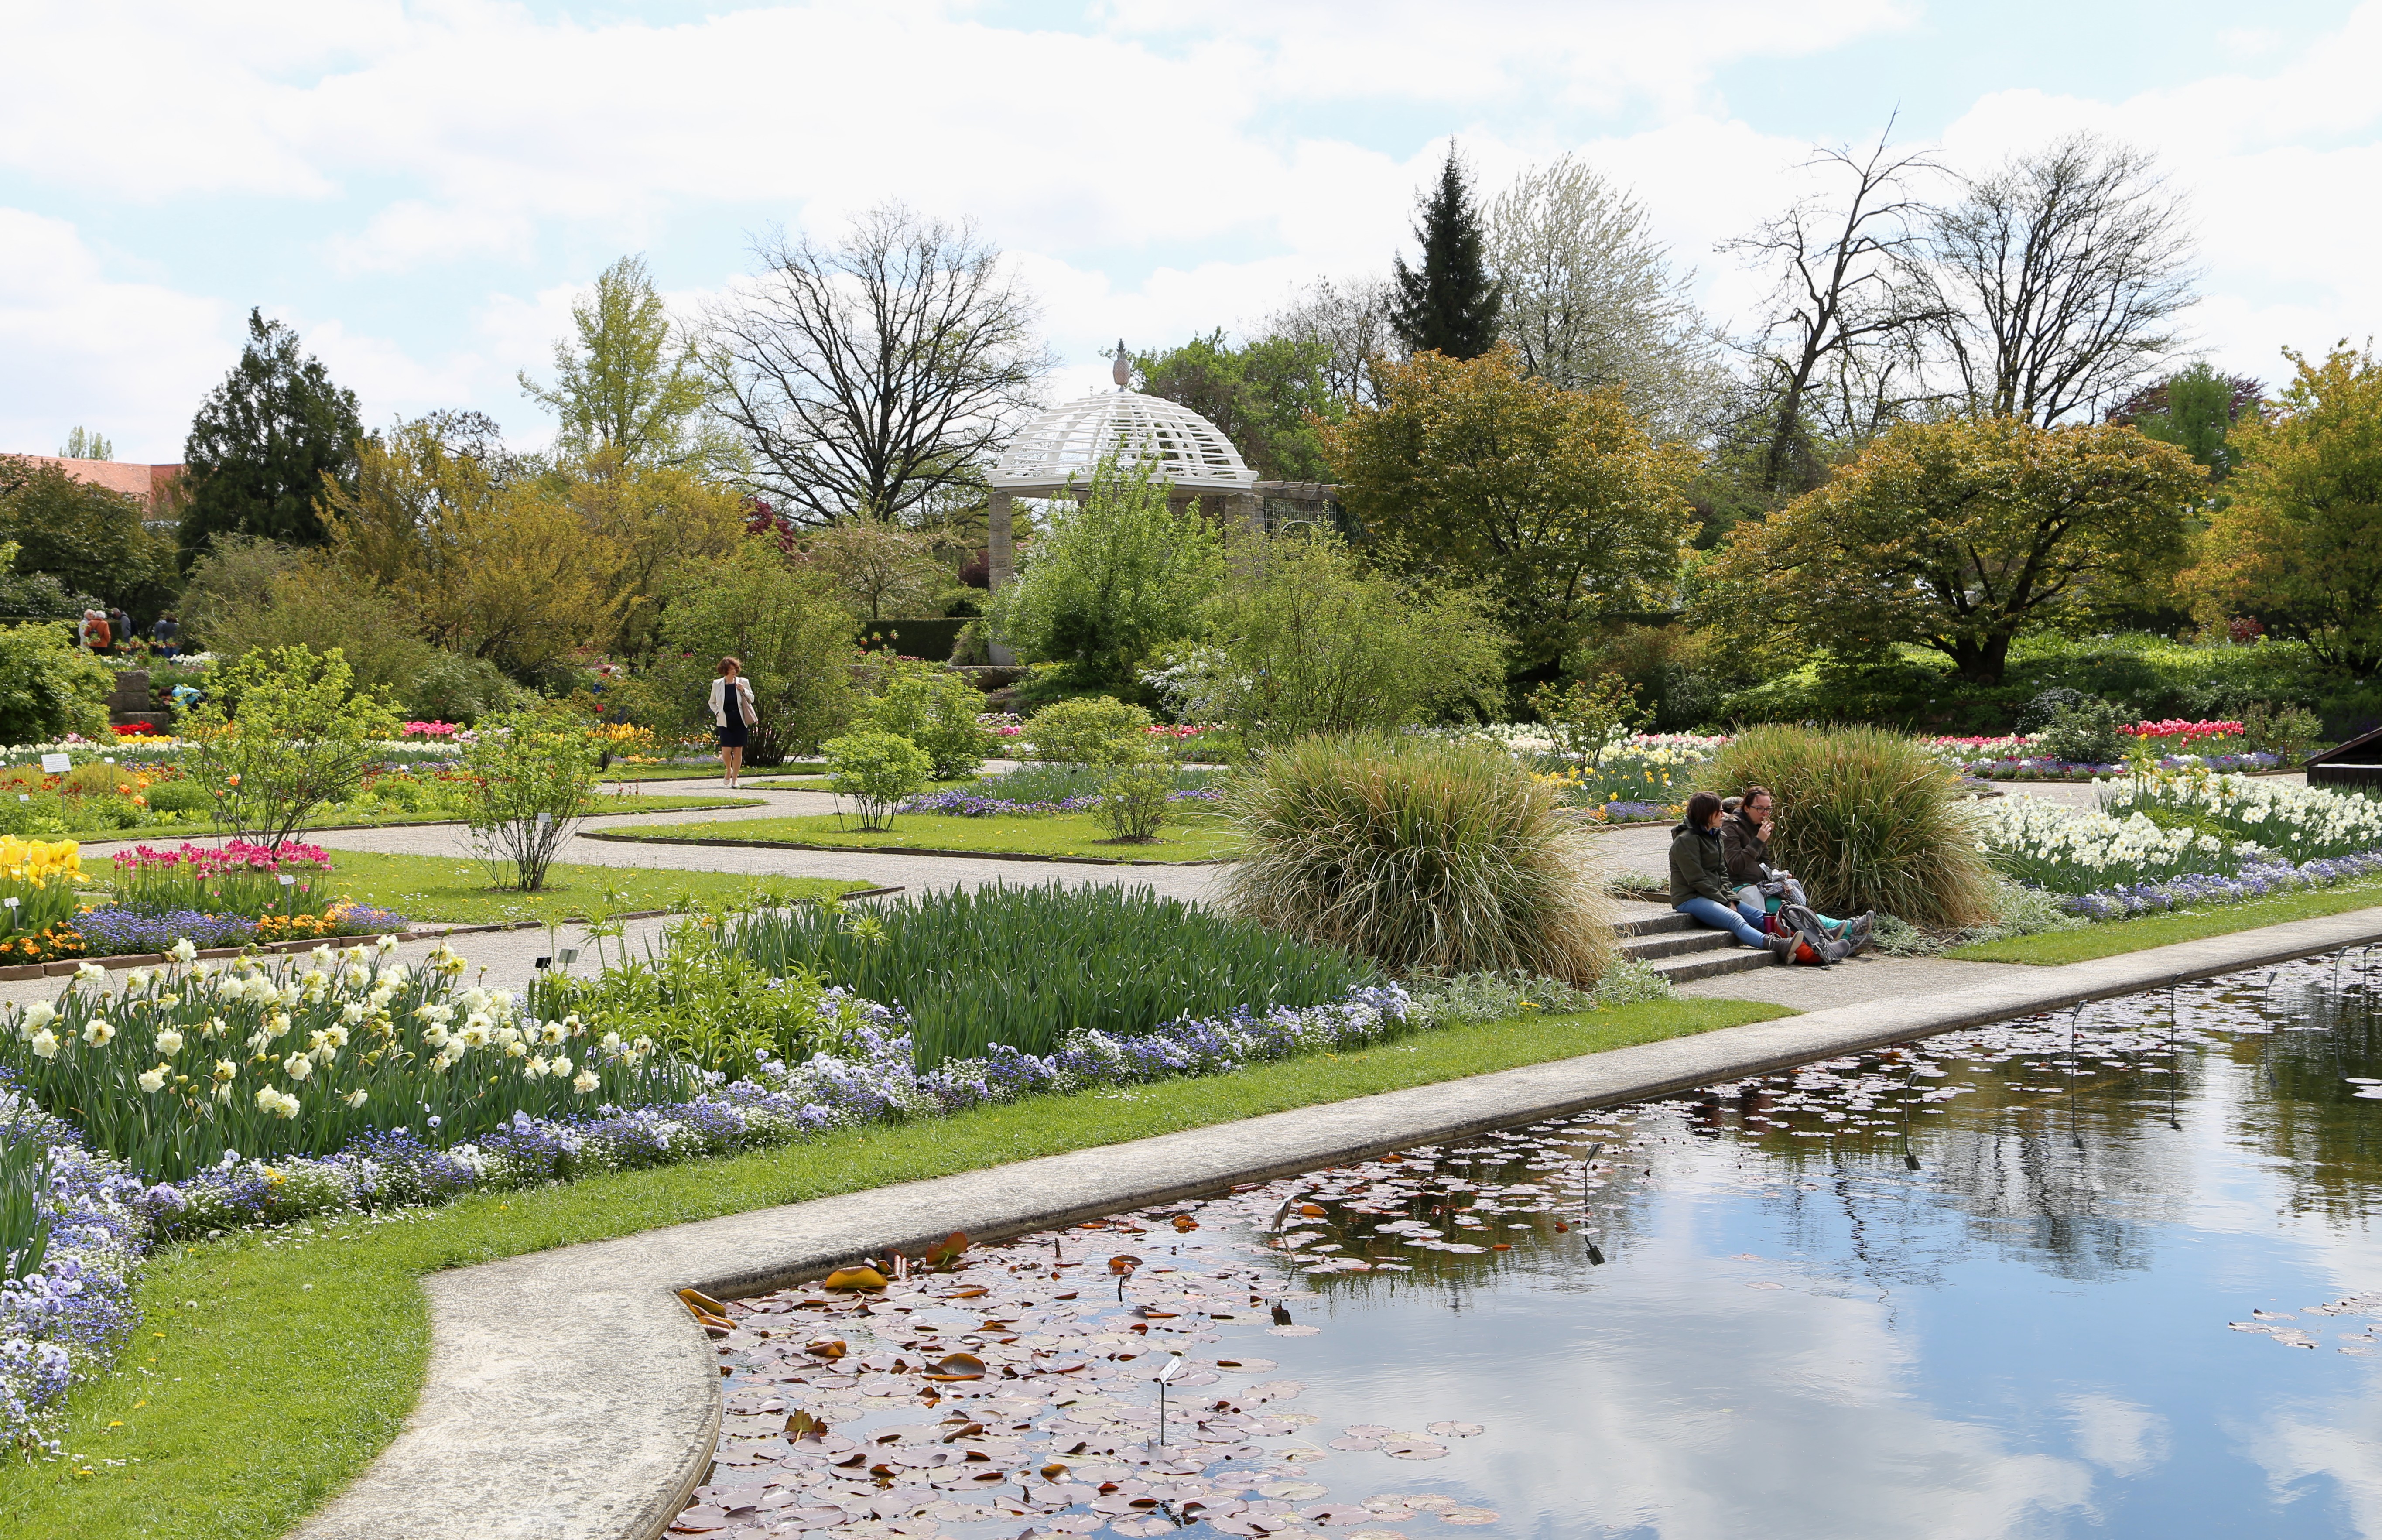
(1000, 562)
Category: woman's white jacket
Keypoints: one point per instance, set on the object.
(743, 702)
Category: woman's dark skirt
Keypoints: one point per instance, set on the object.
(733, 736)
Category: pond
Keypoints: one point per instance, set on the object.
(2109, 1272)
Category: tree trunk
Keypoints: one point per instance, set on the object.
(1981, 661)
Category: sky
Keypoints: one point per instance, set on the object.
(420, 189)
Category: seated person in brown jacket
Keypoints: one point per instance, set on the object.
(1745, 833)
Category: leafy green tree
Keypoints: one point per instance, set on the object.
(1959, 536)
(2196, 408)
(628, 386)
(1555, 503)
(2296, 542)
(531, 774)
(935, 709)
(795, 640)
(1305, 639)
(34, 596)
(86, 444)
(264, 442)
(1113, 579)
(1267, 397)
(1450, 303)
(89, 538)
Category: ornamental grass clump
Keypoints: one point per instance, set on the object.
(1430, 856)
(1869, 819)
(1027, 968)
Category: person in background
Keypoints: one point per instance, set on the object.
(1700, 884)
(732, 710)
(119, 625)
(93, 632)
(168, 635)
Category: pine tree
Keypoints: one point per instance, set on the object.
(1450, 305)
(263, 442)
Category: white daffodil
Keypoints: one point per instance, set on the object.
(560, 1067)
(533, 1069)
(552, 1033)
(266, 1099)
(351, 1013)
(472, 1036)
(436, 1035)
(184, 951)
(45, 1044)
(516, 1048)
(287, 1107)
(224, 1071)
(387, 943)
(89, 973)
(277, 1024)
(169, 1041)
(297, 1066)
(611, 1042)
(38, 1015)
(138, 979)
(584, 1081)
(357, 1097)
(154, 1081)
(97, 1032)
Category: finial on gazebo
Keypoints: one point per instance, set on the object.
(1122, 370)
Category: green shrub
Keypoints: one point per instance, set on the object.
(1133, 803)
(529, 775)
(2085, 733)
(181, 796)
(49, 687)
(1868, 818)
(1305, 639)
(793, 638)
(452, 687)
(878, 770)
(1041, 782)
(302, 737)
(935, 709)
(1092, 729)
(400, 792)
(1430, 855)
(1028, 966)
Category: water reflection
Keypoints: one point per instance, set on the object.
(2129, 1289)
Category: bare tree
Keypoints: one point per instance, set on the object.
(872, 374)
(1351, 318)
(2058, 277)
(1590, 300)
(1839, 343)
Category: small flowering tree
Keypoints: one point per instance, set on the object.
(878, 770)
(530, 775)
(282, 734)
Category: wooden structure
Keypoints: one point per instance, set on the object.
(2355, 766)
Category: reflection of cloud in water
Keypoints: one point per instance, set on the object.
(2337, 1442)
(2122, 1438)
(1679, 1402)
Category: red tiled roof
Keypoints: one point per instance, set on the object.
(146, 482)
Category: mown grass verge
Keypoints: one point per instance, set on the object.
(602, 805)
(270, 1369)
(457, 889)
(1195, 837)
(2113, 937)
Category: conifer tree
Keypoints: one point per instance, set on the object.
(263, 442)
(1450, 304)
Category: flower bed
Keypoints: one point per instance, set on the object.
(2257, 879)
(964, 804)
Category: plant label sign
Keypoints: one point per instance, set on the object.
(57, 764)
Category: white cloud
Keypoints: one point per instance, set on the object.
(130, 360)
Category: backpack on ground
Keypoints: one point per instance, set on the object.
(1812, 945)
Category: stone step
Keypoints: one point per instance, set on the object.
(1709, 964)
(1680, 949)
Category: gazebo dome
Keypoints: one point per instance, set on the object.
(1067, 442)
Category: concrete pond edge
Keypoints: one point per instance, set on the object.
(571, 1396)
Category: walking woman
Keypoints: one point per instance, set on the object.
(731, 709)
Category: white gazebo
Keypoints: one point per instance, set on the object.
(1054, 455)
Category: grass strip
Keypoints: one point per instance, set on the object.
(602, 805)
(1196, 837)
(2113, 937)
(708, 771)
(270, 1368)
(457, 889)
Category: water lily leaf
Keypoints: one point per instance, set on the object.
(1455, 1430)
(1185, 1224)
(803, 1424)
(1053, 1471)
(854, 1277)
(1312, 1210)
(1121, 1264)
(1292, 1491)
(828, 1347)
(1467, 1516)
(974, 1292)
(702, 1303)
(957, 1366)
(947, 1251)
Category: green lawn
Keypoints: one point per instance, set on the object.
(269, 1369)
(1196, 837)
(603, 805)
(2113, 937)
(457, 889)
(682, 772)
(826, 783)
